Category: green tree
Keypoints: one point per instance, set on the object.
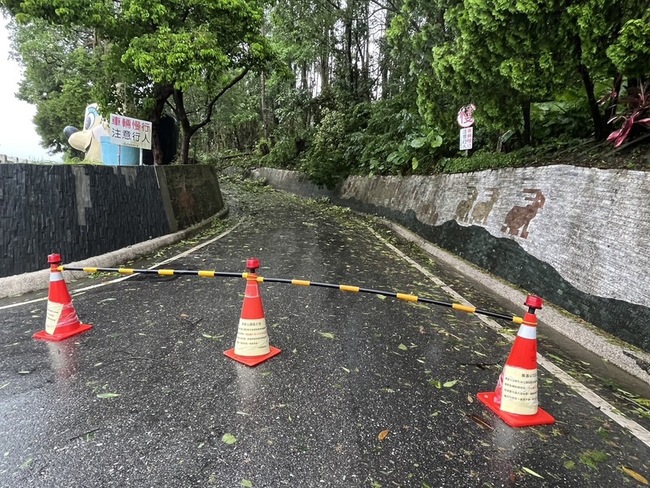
(58, 64)
(630, 53)
(506, 55)
(156, 49)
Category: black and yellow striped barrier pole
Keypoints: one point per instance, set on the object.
(400, 296)
(159, 272)
(260, 279)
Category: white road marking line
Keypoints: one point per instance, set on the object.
(123, 278)
(600, 403)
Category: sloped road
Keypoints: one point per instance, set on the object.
(147, 398)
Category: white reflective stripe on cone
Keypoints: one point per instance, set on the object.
(527, 332)
(56, 276)
(256, 293)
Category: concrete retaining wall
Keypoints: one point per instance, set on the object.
(578, 237)
(81, 211)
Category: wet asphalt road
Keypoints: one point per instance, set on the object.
(181, 414)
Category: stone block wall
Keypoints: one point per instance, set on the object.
(80, 211)
(194, 193)
(578, 237)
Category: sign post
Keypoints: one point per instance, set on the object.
(127, 131)
(465, 120)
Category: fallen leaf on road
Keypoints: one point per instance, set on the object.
(531, 472)
(402, 347)
(228, 439)
(593, 458)
(246, 483)
(635, 475)
(327, 335)
(449, 384)
(215, 337)
(107, 395)
(382, 435)
(627, 393)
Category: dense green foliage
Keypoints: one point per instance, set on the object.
(539, 72)
(57, 69)
(340, 87)
(145, 55)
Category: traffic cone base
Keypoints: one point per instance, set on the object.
(252, 360)
(513, 420)
(62, 333)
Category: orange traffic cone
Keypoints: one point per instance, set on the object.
(252, 343)
(61, 320)
(515, 397)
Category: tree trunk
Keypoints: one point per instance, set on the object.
(525, 108)
(599, 130)
(265, 128)
(613, 102)
(324, 62)
(599, 127)
(367, 85)
(348, 53)
(164, 92)
(190, 129)
(303, 74)
(185, 147)
(385, 58)
(384, 79)
(181, 115)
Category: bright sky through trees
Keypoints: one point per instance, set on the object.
(18, 136)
